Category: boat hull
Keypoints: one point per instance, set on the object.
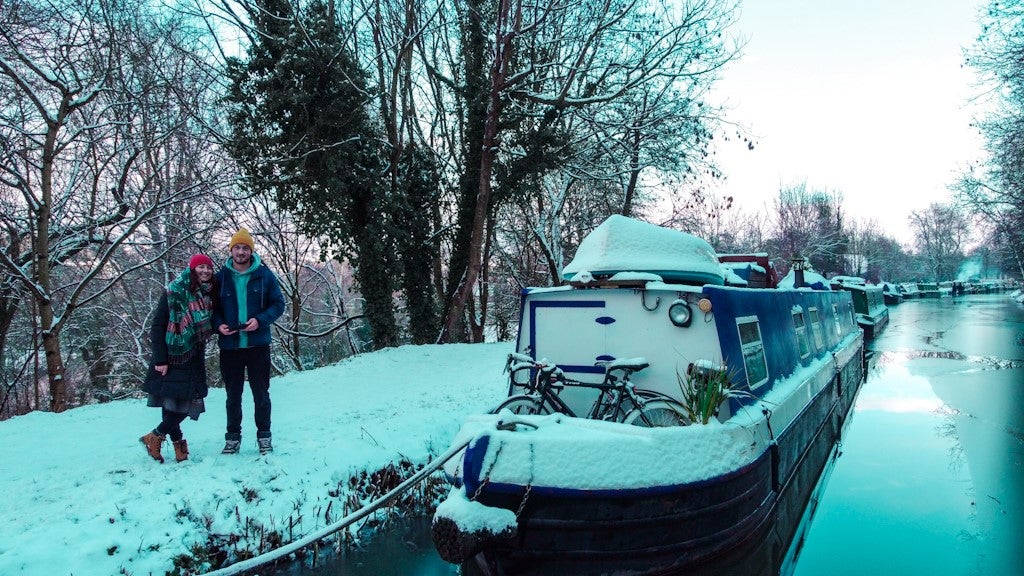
(869, 304)
(630, 533)
(928, 290)
(873, 325)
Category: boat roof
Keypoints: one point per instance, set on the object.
(742, 265)
(812, 280)
(622, 244)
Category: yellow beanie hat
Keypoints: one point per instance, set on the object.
(242, 237)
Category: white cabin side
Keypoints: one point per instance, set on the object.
(575, 328)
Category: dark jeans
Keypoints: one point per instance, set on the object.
(171, 424)
(234, 364)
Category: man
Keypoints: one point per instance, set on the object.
(250, 300)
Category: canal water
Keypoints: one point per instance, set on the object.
(931, 479)
(930, 473)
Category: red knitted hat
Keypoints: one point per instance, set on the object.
(198, 259)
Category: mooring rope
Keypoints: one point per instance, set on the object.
(287, 549)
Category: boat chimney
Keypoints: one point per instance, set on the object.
(799, 265)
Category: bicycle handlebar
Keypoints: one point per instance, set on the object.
(518, 358)
(548, 373)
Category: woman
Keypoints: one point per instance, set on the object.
(176, 382)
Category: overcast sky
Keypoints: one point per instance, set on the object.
(868, 97)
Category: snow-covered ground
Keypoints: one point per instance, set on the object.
(82, 498)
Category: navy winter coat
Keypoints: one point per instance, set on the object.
(264, 302)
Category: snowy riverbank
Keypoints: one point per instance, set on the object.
(83, 498)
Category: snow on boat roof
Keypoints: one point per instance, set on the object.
(622, 244)
(651, 285)
(856, 280)
(812, 280)
(741, 265)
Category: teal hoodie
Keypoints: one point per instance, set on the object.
(241, 280)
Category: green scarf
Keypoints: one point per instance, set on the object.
(189, 322)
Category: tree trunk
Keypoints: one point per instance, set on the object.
(374, 275)
(478, 319)
(1018, 258)
(296, 341)
(54, 368)
(50, 332)
(488, 152)
(9, 301)
(634, 175)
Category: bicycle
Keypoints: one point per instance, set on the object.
(618, 399)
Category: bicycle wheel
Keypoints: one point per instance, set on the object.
(658, 414)
(522, 404)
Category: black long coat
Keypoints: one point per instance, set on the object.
(182, 381)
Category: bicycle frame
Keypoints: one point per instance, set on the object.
(545, 385)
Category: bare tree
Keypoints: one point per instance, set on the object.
(810, 223)
(993, 187)
(873, 255)
(940, 233)
(542, 70)
(85, 133)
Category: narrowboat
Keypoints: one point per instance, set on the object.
(928, 289)
(751, 387)
(868, 303)
(909, 290)
(891, 295)
(754, 270)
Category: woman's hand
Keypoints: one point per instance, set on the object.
(161, 369)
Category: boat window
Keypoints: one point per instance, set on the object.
(801, 334)
(839, 325)
(753, 351)
(816, 327)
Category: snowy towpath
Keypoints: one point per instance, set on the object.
(82, 497)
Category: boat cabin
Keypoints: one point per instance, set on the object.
(756, 270)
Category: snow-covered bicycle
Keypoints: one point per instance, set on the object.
(618, 399)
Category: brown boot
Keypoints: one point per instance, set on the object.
(180, 450)
(152, 442)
